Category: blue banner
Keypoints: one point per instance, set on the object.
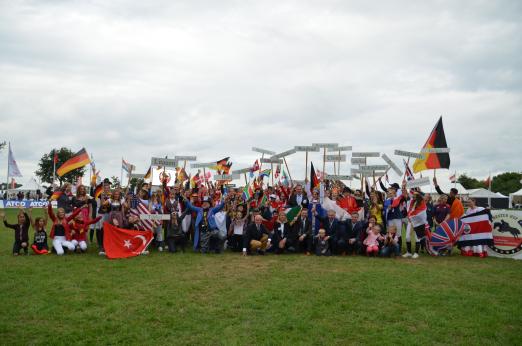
(23, 203)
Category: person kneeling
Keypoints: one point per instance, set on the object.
(255, 239)
(322, 245)
(175, 235)
(372, 240)
(391, 243)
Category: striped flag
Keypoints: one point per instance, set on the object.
(79, 160)
(437, 139)
(265, 173)
(480, 228)
(141, 209)
(408, 172)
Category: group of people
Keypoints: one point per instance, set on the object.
(271, 219)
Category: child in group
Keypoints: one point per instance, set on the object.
(21, 231)
(322, 247)
(61, 230)
(372, 239)
(391, 243)
(39, 224)
(79, 228)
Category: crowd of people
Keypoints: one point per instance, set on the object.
(270, 220)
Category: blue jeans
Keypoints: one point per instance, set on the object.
(392, 248)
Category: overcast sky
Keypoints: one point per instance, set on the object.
(214, 78)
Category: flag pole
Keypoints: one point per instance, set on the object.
(7, 178)
(306, 167)
(54, 167)
(272, 172)
(324, 164)
(288, 170)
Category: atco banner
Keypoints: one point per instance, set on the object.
(23, 203)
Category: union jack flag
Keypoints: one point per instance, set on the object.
(409, 173)
(445, 236)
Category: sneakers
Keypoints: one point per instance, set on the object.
(101, 253)
(415, 255)
(144, 253)
(406, 255)
(160, 249)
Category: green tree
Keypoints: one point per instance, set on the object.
(469, 182)
(134, 183)
(506, 183)
(45, 167)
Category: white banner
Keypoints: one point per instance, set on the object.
(284, 154)
(507, 234)
(226, 176)
(392, 164)
(365, 154)
(309, 148)
(418, 182)
(263, 151)
(160, 161)
(155, 217)
(335, 158)
(344, 148)
(408, 154)
(185, 158)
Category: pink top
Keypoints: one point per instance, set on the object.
(372, 239)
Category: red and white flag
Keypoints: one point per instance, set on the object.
(123, 243)
(141, 209)
(453, 177)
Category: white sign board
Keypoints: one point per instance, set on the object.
(372, 168)
(284, 154)
(507, 226)
(358, 160)
(365, 154)
(326, 145)
(267, 160)
(202, 165)
(155, 217)
(226, 176)
(345, 148)
(335, 158)
(185, 158)
(306, 148)
(408, 154)
(392, 164)
(435, 150)
(159, 161)
(338, 177)
(263, 151)
(418, 182)
(242, 171)
(355, 171)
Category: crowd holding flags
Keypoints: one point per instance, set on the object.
(271, 201)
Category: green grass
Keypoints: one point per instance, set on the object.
(227, 299)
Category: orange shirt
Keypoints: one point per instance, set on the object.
(457, 209)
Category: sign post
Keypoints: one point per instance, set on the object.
(325, 146)
(306, 149)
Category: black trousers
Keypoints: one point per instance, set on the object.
(177, 242)
(305, 245)
(235, 242)
(17, 246)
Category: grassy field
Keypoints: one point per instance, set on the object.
(227, 299)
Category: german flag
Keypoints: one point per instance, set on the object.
(79, 160)
(56, 195)
(222, 165)
(437, 139)
(148, 175)
(314, 181)
(98, 190)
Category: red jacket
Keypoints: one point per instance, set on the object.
(64, 222)
(81, 228)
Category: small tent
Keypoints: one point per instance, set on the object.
(515, 198)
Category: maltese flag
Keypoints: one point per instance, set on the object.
(12, 167)
(123, 243)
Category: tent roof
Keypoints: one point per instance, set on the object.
(445, 188)
(483, 193)
(517, 193)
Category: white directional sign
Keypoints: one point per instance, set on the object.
(358, 160)
(185, 158)
(137, 176)
(356, 171)
(372, 168)
(155, 217)
(418, 182)
(335, 158)
(392, 164)
(325, 145)
(365, 154)
(435, 150)
(263, 151)
(226, 176)
(267, 160)
(345, 148)
(202, 164)
(284, 154)
(338, 177)
(408, 154)
(306, 148)
(159, 161)
(242, 171)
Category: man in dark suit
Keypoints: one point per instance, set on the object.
(337, 233)
(355, 234)
(303, 230)
(255, 238)
(297, 197)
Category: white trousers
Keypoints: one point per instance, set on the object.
(59, 242)
(82, 244)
